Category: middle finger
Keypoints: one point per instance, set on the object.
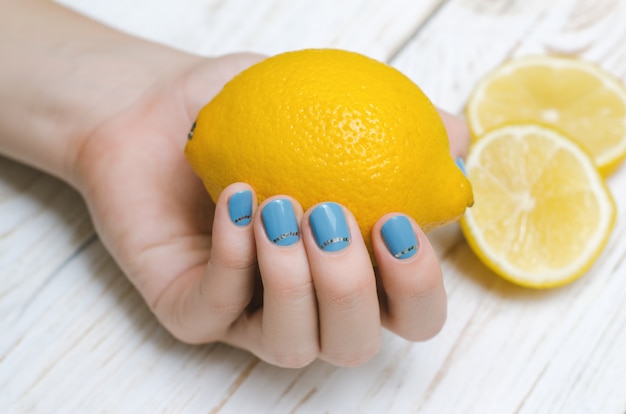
(345, 285)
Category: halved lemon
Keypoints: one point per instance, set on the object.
(542, 212)
(571, 95)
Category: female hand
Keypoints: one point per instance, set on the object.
(209, 279)
(110, 115)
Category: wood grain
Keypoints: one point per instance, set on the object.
(76, 337)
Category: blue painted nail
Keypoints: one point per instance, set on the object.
(399, 237)
(279, 220)
(330, 228)
(461, 164)
(240, 208)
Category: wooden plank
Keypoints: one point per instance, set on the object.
(466, 39)
(469, 38)
(76, 335)
(44, 222)
(225, 26)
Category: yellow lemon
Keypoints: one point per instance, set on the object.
(542, 213)
(570, 95)
(331, 125)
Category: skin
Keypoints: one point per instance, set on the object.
(109, 114)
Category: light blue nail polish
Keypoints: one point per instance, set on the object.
(240, 208)
(461, 164)
(279, 220)
(399, 237)
(330, 228)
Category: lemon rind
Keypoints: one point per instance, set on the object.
(555, 277)
(607, 162)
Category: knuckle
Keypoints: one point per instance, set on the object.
(224, 308)
(217, 304)
(418, 291)
(346, 296)
(176, 316)
(354, 358)
(244, 260)
(294, 358)
(188, 338)
(195, 332)
(179, 327)
(294, 291)
(420, 334)
(421, 287)
(292, 286)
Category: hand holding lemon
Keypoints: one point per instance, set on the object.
(346, 159)
(267, 268)
(279, 262)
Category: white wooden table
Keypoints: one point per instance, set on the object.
(76, 338)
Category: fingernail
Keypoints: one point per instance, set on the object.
(461, 164)
(399, 237)
(330, 228)
(190, 133)
(240, 208)
(279, 220)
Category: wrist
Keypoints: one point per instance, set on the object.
(63, 80)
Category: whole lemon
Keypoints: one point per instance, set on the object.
(331, 125)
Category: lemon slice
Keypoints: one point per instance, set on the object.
(571, 95)
(542, 212)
